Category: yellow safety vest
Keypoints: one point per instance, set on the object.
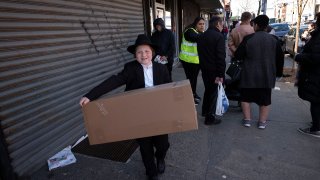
(188, 50)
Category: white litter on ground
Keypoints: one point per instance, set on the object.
(224, 176)
(79, 141)
(277, 88)
(62, 158)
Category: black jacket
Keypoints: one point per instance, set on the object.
(191, 36)
(309, 73)
(262, 60)
(212, 52)
(132, 76)
(164, 40)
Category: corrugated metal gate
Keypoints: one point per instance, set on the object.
(51, 53)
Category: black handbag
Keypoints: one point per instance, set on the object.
(234, 70)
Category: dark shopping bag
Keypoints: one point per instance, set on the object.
(234, 70)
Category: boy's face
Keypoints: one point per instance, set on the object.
(144, 54)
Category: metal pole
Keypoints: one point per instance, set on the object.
(292, 11)
(264, 6)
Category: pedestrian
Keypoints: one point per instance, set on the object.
(233, 25)
(137, 74)
(270, 30)
(164, 39)
(262, 58)
(189, 54)
(306, 35)
(309, 78)
(237, 34)
(225, 32)
(251, 22)
(212, 54)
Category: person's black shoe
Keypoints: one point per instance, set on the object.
(197, 97)
(211, 120)
(309, 132)
(203, 114)
(153, 177)
(161, 165)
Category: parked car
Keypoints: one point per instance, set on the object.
(290, 39)
(280, 29)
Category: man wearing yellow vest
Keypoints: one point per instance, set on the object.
(189, 54)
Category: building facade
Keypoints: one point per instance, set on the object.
(286, 10)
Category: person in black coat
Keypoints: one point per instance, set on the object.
(309, 78)
(140, 74)
(262, 62)
(212, 54)
(164, 39)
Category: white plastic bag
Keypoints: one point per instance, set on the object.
(222, 101)
(62, 158)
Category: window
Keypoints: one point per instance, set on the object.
(291, 32)
(168, 8)
(285, 27)
(280, 27)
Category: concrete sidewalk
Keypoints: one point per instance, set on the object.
(224, 151)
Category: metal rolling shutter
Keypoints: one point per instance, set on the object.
(51, 53)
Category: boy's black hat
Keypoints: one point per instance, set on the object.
(142, 39)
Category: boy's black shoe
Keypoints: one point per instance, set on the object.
(153, 177)
(161, 165)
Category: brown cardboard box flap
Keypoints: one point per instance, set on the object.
(162, 109)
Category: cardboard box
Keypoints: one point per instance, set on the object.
(162, 109)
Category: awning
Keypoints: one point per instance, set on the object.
(210, 5)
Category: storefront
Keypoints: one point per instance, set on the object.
(177, 14)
